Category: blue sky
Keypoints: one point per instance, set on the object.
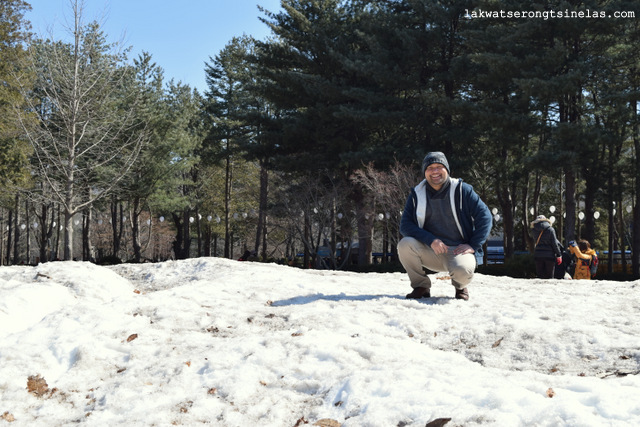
(180, 35)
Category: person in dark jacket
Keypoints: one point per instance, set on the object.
(547, 253)
(444, 225)
(562, 271)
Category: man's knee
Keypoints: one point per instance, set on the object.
(463, 270)
(406, 245)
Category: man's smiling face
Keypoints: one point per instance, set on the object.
(436, 175)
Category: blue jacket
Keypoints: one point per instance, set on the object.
(472, 216)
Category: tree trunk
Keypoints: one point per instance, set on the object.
(506, 204)
(570, 207)
(198, 231)
(16, 236)
(182, 242)
(610, 208)
(1, 236)
(58, 233)
(44, 233)
(365, 217)
(135, 230)
(261, 229)
(635, 253)
(27, 221)
(68, 235)
(9, 236)
(227, 200)
(307, 239)
(86, 234)
(116, 225)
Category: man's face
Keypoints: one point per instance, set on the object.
(436, 175)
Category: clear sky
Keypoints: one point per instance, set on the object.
(180, 35)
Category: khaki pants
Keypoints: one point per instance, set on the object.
(415, 255)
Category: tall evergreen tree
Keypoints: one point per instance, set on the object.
(176, 191)
(14, 149)
(329, 113)
(156, 155)
(228, 100)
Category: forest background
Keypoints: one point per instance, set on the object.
(308, 142)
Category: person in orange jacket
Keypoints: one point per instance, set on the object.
(584, 257)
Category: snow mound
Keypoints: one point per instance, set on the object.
(228, 343)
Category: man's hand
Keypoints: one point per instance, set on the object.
(463, 249)
(439, 247)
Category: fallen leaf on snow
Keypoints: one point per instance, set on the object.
(37, 385)
(300, 422)
(550, 392)
(8, 417)
(132, 337)
(327, 422)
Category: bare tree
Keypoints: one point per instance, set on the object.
(390, 190)
(87, 135)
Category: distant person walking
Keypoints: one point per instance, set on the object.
(444, 224)
(547, 253)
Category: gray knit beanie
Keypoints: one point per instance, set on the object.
(435, 157)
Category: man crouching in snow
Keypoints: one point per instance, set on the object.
(444, 225)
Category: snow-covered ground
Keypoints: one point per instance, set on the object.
(228, 343)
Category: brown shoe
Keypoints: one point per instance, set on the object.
(418, 293)
(462, 294)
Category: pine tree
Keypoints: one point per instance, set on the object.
(175, 193)
(228, 100)
(14, 150)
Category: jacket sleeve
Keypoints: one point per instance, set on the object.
(409, 223)
(481, 217)
(578, 253)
